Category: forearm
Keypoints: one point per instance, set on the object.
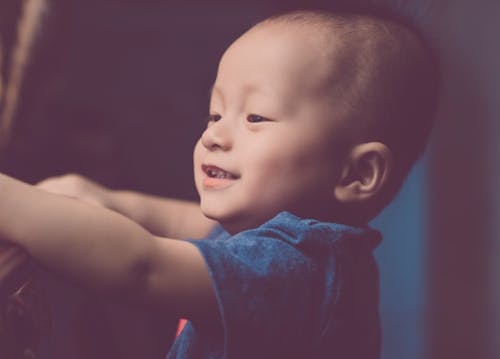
(164, 217)
(93, 246)
(161, 216)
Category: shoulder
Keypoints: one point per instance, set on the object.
(296, 231)
(283, 240)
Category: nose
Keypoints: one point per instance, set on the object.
(217, 136)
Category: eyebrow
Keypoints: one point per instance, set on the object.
(214, 89)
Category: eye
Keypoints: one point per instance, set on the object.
(256, 118)
(213, 117)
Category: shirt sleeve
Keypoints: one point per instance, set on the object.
(266, 286)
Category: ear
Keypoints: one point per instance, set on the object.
(366, 171)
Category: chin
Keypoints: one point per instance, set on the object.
(237, 219)
(210, 214)
(214, 212)
(229, 221)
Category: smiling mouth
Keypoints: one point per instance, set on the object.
(217, 173)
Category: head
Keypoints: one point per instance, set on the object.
(313, 113)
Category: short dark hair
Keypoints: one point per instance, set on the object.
(388, 80)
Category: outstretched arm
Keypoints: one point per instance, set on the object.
(105, 251)
(161, 216)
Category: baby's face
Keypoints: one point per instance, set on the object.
(272, 142)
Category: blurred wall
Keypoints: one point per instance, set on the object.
(403, 259)
(464, 195)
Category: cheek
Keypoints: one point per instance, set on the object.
(273, 172)
(293, 172)
(197, 156)
(197, 151)
(279, 161)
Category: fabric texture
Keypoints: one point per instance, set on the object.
(291, 288)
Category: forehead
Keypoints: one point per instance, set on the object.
(281, 55)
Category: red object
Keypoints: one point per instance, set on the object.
(181, 325)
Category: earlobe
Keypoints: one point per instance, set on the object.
(366, 171)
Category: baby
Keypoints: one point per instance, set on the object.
(315, 120)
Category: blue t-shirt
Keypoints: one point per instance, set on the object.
(291, 288)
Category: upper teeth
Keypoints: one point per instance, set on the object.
(217, 173)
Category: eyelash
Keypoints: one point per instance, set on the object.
(213, 118)
(252, 118)
(256, 118)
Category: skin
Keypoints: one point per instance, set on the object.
(273, 127)
(164, 217)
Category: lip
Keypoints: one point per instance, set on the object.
(210, 181)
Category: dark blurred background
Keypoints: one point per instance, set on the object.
(118, 91)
